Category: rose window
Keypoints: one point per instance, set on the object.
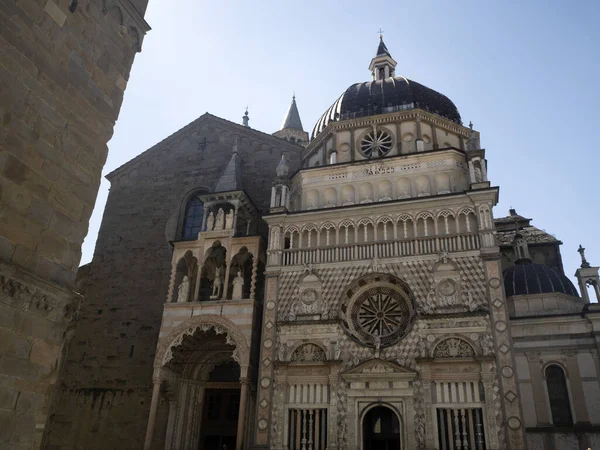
(379, 311)
(376, 144)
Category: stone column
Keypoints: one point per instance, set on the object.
(332, 420)
(273, 192)
(171, 424)
(538, 388)
(241, 427)
(226, 280)
(152, 415)
(596, 290)
(509, 390)
(436, 145)
(471, 172)
(197, 285)
(483, 165)
(235, 218)
(580, 413)
(204, 214)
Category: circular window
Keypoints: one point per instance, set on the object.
(379, 311)
(376, 143)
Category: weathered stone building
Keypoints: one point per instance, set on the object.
(351, 291)
(64, 66)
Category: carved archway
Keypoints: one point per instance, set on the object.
(219, 325)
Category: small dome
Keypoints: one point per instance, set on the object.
(386, 96)
(529, 278)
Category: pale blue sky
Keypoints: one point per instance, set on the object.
(525, 73)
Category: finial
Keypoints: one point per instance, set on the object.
(380, 33)
(293, 95)
(471, 125)
(245, 119)
(584, 263)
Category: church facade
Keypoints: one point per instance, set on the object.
(348, 291)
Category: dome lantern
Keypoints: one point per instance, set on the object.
(383, 65)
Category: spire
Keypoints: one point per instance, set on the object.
(292, 118)
(231, 178)
(383, 65)
(382, 49)
(246, 119)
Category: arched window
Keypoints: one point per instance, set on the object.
(192, 221)
(559, 396)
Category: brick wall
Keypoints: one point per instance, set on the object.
(107, 381)
(62, 77)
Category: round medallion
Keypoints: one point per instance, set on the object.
(270, 305)
(265, 382)
(379, 311)
(309, 297)
(447, 287)
(495, 283)
(500, 325)
(262, 424)
(375, 144)
(514, 423)
(268, 343)
(507, 371)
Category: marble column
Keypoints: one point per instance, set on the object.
(152, 415)
(241, 427)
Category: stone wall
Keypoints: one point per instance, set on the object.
(107, 381)
(64, 66)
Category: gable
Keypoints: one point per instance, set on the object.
(379, 369)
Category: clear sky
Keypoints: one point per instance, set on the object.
(526, 74)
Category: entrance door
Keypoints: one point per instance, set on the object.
(219, 419)
(381, 429)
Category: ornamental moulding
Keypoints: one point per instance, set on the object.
(53, 303)
(218, 324)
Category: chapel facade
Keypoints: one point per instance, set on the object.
(348, 291)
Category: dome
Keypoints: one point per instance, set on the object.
(530, 278)
(386, 96)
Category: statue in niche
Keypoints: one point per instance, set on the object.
(478, 177)
(183, 292)
(337, 350)
(229, 220)
(238, 284)
(220, 219)
(217, 284)
(242, 262)
(214, 258)
(210, 222)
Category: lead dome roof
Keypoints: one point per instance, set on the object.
(386, 96)
(526, 278)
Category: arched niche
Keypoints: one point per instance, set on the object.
(330, 197)
(384, 190)
(185, 276)
(240, 274)
(366, 193)
(422, 186)
(213, 272)
(348, 197)
(403, 188)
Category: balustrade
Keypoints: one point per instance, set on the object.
(377, 249)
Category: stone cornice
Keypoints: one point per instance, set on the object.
(31, 294)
